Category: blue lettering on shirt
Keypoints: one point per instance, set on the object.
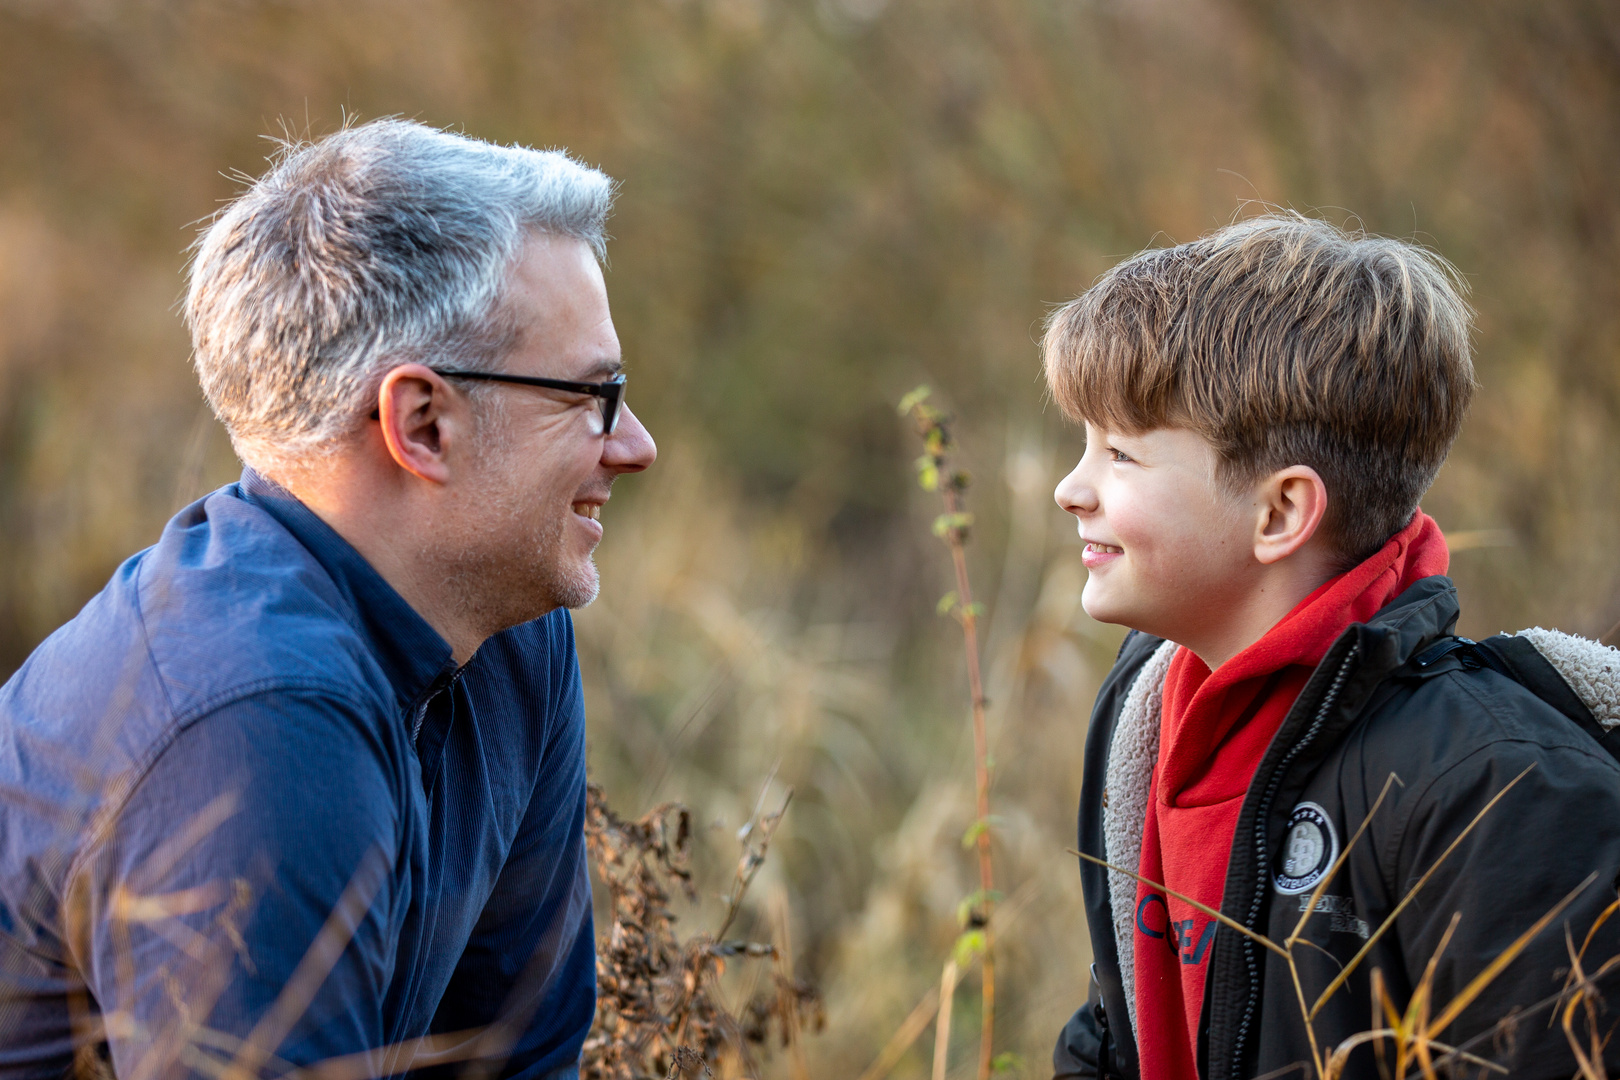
(1184, 937)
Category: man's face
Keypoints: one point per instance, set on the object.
(1168, 551)
(544, 468)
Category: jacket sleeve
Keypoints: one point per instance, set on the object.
(240, 900)
(1082, 1047)
(1557, 827)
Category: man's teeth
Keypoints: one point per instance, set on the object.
(1106, 549)
(590, 510)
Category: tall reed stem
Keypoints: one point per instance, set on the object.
(935, 474)
(981, 781)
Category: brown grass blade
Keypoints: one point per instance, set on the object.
(1321, 886)
(904, 1036)
(942, 1030)
(1342, 1052)
(1477, 985)
(317, 962)
(1389, 921)
(1211, 912)
(1597, 924)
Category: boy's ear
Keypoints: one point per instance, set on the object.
(1292, 503)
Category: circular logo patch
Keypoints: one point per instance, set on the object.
(1309, 848)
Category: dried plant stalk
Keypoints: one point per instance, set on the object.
(935, 473)
(660, 1012)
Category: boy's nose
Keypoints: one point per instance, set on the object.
(1074, 494)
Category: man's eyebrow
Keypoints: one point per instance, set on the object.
(605, 368)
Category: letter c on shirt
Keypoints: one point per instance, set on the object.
(1141, 912)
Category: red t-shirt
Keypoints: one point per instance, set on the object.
(1215, 729)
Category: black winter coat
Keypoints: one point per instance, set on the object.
(1454, 732)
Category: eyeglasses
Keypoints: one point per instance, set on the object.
(610, 393)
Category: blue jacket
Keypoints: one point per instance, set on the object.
(248, 736)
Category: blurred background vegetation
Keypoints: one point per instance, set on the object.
(824, 203)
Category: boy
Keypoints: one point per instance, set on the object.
(1263, 409)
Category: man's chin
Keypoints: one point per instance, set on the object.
(544, 591)
(580, 588)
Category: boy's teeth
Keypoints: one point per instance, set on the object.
(1106, 549)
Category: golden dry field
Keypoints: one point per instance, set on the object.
(825, 203)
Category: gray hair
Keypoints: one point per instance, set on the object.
(381, 244)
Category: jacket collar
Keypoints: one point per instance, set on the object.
(413, 656)
(1425, 611)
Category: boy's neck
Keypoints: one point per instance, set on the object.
(1270, 594)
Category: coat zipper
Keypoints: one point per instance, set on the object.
(1263, 812)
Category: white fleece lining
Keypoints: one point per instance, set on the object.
(1132, 754)
(1590, 668)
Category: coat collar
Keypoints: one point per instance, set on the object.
(415, 658)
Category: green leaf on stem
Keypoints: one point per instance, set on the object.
(913, 399)
(978, 829)
(928, 473)
(964, 910)
(969, 947)
(1006, 1062)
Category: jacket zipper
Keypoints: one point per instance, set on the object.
(1264, 812)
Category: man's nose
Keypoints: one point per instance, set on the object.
(630, 448)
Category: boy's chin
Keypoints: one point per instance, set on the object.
(1102, 610)
(1115, 612)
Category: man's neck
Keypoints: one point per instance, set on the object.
(378, 522)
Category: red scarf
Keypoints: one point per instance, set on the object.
(1216, 728)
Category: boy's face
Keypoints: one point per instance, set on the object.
(1169, 551)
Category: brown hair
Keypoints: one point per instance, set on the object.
(1283, 341)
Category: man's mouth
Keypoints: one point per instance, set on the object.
(589, 510)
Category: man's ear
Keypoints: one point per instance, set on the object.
(1292, 503)
(420, 417)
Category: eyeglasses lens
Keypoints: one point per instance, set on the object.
(610, 406)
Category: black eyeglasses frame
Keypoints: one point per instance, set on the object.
(610, 393)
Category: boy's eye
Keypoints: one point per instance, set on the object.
(1117, 455)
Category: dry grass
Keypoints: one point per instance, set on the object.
(816, 206)
(1409, 1034)
(661, 1011)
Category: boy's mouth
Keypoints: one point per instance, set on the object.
(1097, 555)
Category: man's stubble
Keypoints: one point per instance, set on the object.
(507, 560)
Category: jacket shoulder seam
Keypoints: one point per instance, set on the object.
(107, 814)
(146, 641)
(1423, 798)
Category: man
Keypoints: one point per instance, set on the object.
(306, 781)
